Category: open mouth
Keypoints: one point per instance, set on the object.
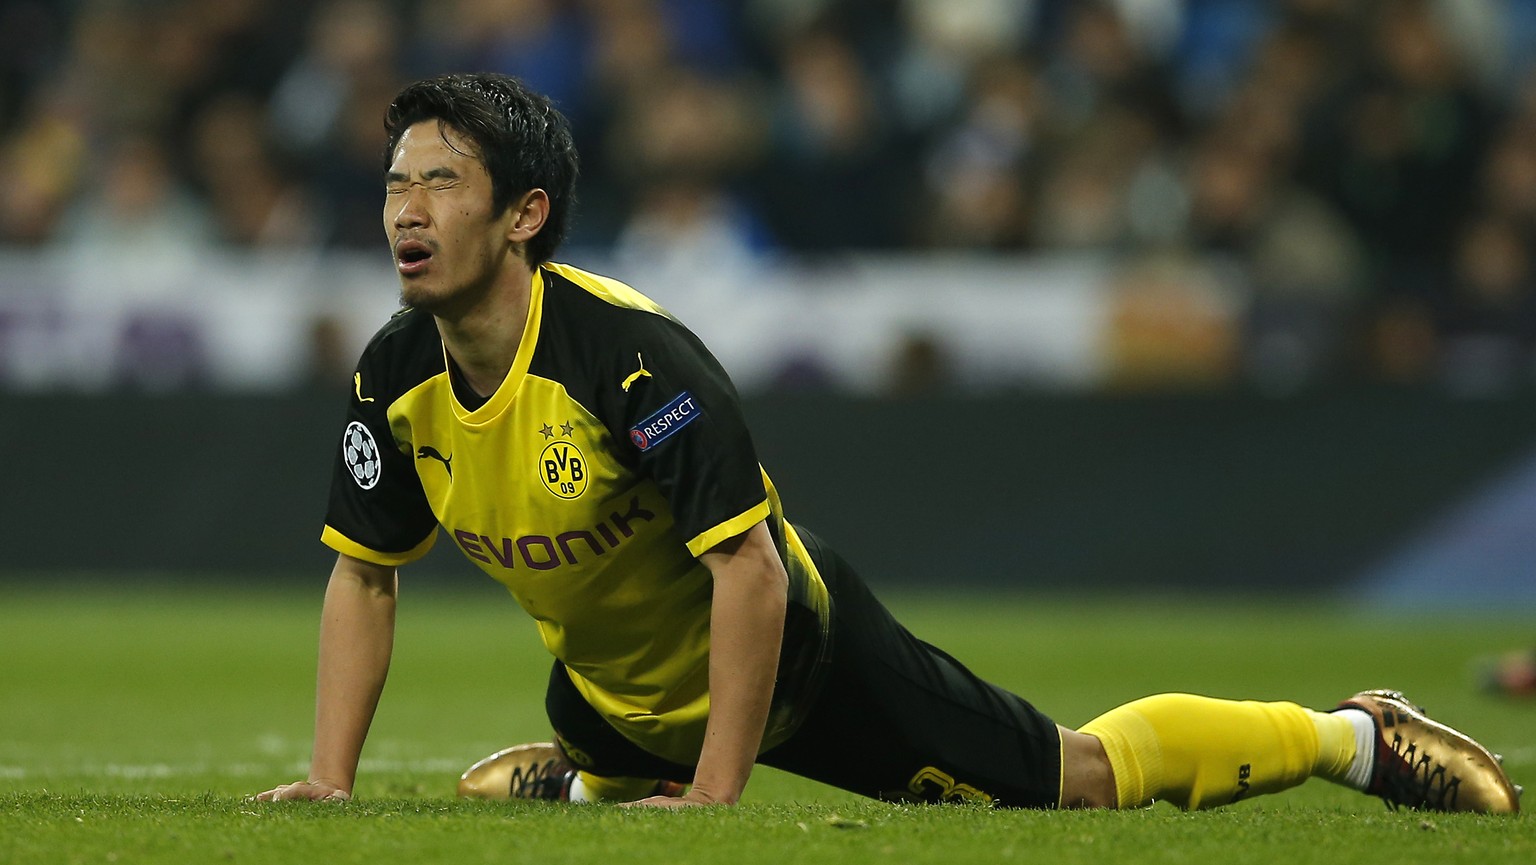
(412, 256)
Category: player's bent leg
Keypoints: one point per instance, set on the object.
(588, 787)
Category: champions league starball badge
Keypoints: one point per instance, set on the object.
(361, 454)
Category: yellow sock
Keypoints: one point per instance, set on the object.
(1199, 752)
(597, 788)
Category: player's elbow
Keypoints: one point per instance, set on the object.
(365, 577)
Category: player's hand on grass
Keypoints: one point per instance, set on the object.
(305, 790)
(693, 799)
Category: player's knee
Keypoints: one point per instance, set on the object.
(1087, 779)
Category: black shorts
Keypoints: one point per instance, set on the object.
(895, 718)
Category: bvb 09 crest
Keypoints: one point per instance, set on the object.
(563, 469)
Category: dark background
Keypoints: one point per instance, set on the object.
(1029, 492)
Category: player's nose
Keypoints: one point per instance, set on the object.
(410, 212)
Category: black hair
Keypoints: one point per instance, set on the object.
(523, 141)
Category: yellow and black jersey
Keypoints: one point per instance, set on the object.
(613, 454)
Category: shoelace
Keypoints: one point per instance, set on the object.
(1415, 780)
(544, 780)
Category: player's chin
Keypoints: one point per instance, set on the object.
(419, 293)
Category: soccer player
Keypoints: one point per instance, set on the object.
(581, 446)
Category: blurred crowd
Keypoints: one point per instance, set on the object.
(1366, 168)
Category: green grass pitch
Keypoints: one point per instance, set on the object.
(134, 720)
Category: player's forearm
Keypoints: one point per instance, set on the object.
(356, 638)
(746, 627)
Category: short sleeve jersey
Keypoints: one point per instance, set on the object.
(612, 455)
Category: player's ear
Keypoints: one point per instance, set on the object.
(529, 213)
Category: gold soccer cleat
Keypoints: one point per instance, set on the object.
(1423, 764)
(534, 771)
(537, 771)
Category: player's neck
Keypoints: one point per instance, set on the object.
(484, 338)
